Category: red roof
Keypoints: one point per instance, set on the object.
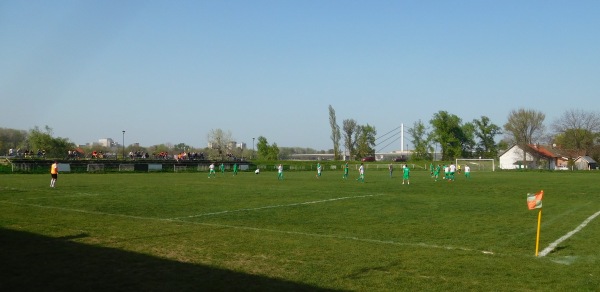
(543, 151)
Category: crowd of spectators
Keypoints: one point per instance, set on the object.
(138, 155)
(76, 154)
(41, 153)
(182, 156)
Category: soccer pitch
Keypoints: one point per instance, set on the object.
(184, 231)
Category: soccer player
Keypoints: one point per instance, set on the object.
(391, 169)
(361, 173)
(406, 174)
(452, 171)
(436, 172)
(280, 172)
(467, 172)
(222, 168)
(446, 171)
(318, 170)
(211, 170)
(431, 169)
(346, 171)
(235, 169)
(53, 173)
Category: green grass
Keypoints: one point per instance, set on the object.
(183, 231)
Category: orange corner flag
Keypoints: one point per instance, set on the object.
(534, 201)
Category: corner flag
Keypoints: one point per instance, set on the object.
(534, 201)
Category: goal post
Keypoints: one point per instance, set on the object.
(22, 167)
(482, 164)
(93, 167)
(126, 167)
(179, 168)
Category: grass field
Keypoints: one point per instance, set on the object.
(184, 231)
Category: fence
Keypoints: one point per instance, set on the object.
(92, 166)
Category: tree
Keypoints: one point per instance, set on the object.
(335, 133)
(576, 131)
(156, 149)
(486, 132)
(575, 142)
(448, 133)
(43, 141)
(350, 128)
(524, 127)
(181, 147)
(421, 141)
(11, 139)
(273, 152)
(467, 140)
(366, 141)
(266, 151)
(219, 140)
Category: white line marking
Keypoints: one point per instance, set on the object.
(553, 245)
(275, 206)
(367, 240)
(63, 196)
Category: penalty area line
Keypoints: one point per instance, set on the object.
(248, 228)
(274, 206)
(553, 245)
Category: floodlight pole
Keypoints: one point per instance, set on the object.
(123, 144)
(252, 147)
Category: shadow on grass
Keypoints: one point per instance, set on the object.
(30, 262)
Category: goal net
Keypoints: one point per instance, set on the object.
(95, 167)
(126, 167)
(486, 164)
(179, 168)
(22, 167)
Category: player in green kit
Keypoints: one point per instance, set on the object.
(280, 172)
(319, 170)
(436, 172)
(346, 171)
(222, 168)
(235, 169)
(406, 174)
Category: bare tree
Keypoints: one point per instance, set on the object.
(576, 130)
(335, 133)
(525, 126)
(219, 140)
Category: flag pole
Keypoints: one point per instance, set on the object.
(537, 238)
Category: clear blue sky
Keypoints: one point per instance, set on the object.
(170, 71)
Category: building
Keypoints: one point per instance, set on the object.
(106, 142)
(585, 163)
(231, 145)
(536, 157)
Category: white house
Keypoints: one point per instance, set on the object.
(536, 157)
